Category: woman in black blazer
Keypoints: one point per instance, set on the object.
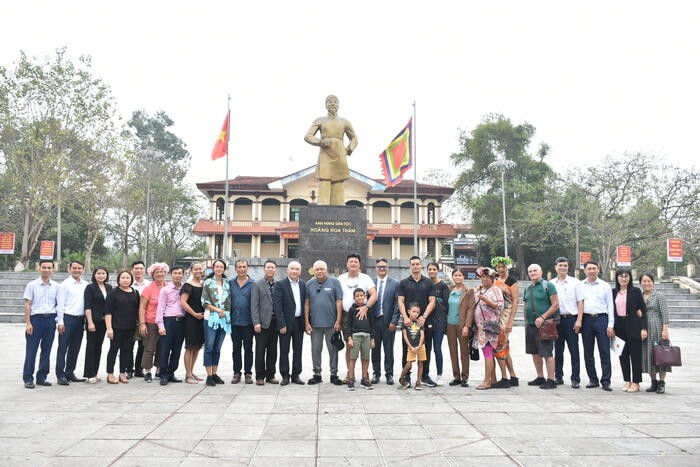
(94, 298)
(630, 326)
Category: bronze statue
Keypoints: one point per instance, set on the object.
(332, 167)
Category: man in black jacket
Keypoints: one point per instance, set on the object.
(288, 306)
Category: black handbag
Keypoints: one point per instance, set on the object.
(492, 327)
(667, 355)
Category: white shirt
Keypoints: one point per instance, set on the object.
(597, 298)
(141, 286)
(69, 299)
(42, 296)
(297, 297)
(569, 293)
(349, 284)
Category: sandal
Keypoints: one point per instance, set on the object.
(111, 379)
(481, 387)
(191, 380)
(197, 377)
(92, 380)
(123, 379)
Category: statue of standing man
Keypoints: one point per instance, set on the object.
(332, 167)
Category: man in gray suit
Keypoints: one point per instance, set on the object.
(386, 314)
(265, 325)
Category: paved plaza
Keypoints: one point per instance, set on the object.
(181, 424)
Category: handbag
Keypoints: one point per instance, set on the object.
(548, 330)
(492, 327)
(667, 355)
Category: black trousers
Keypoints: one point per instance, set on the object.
(266, 352)
(631, 356)
(428, 340)
(295, 340)
(171, 345)
(93, 349)
(122, 342)
(383, 337)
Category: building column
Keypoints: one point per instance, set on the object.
(396, 211)
(422, 214)
(370, 250)
(438, 249)
(284, 210)
(256, 210)
(370, 213)
(395, 247)
(437, 214)
(283, 247)
(422, 245)
(212, 245)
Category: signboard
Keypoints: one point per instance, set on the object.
(674, 250)
(624, 256)
(584, 256)
(46, 249)
(7, 243)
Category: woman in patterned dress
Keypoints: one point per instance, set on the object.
(489, 302)
(657, 330)
(511, 294)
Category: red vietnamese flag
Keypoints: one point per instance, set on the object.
(221, 145)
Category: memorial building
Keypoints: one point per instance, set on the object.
(263, 215)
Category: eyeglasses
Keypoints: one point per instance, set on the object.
(380, 267)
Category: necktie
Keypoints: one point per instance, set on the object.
(380, 294)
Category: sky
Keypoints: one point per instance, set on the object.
(594, 78)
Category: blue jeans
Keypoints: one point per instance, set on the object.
(69, 346)
(594, 330)
(44, 330)
(567, 336)
(437, 348)
(171, 345)
(213, 340)
(242, 336)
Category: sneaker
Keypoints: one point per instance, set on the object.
(560, 381)
(418, 387)
(537, 381)
(549, 384)
(217, 379)
(375, 379)
(210, 381)
(336, 381)
(502, 384)
(438, 381)
(351, 385)
(390, 380)
(428, 382)
(147, 377)
(403, 384)
(455, 382)
(365, 384)
(514, 381)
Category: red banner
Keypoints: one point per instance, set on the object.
(584, 256)
(674, 250)
(46, 249)
(624, 256)
(7, 243)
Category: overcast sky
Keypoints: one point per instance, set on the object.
(595, 79)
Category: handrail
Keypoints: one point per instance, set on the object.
(686, 283)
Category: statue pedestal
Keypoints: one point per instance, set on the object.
(331, 233)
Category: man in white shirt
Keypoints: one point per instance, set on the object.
(571, 310)
(349, 281)
(138, 270)
(70, 322)
(598, 325)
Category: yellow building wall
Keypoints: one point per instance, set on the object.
(269, 250)
(270, 213)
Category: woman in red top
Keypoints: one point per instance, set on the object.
(147, 319)
(511, 294)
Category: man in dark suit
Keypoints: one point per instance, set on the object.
(264, 325)
(289, 298)
(386, 313)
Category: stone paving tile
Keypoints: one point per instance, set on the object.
(243, 432)
(407, 448)
(461, 431)
(152, 462)
(96, 461)
(347, 448)
(227, 448)
(104, 447)
(275, 461)
(491, 461)
(382, 432)
(674, 430)
(282, 448)
(355, 460)
(197, 461)
(345, 432)
(473, 447)
(179, 432)
(305, 432)
(146, 448)
(687, 445)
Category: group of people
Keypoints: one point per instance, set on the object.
(267, 319)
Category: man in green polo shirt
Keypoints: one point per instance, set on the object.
(541, 302)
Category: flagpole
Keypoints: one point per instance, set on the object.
(415, 184)
(226, 217)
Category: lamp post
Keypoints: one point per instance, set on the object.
(148, 154)
(502, 165)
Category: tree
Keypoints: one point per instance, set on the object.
(57, 123)
(451, 209)
(526, 184)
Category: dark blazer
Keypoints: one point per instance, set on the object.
(284, 304)
(94, 301)
(261, 311)
(631, 326)
(390, 300)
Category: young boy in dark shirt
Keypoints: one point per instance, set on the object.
(414, 337)
(361, 340)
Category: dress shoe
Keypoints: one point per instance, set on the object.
(537, 381)
(375, 379)
(606, 387)
(455, 382)
(315, 380)
(560, 381)
(464, 383)
(248, 379)
(164, 381)
(514, 381)
(75, 379)
(260, 382)
(138, 373)
(592, 385)
(236, 378)
(390, 380)
(336, 381)
(653, 387)
(173, 379)
(272, 381)
(575, 384)
(297, 380)
(29, 385)
(43, 383)
(285, 381)
(63, 382)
